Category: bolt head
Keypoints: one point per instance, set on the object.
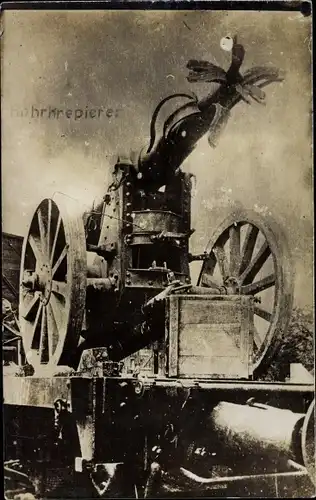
(138, 388)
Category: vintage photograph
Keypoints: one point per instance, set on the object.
(157, 253)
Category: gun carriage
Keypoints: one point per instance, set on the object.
(162, 394)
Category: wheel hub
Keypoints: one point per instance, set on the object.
(45, 282)
(40, 281)
(232, 285)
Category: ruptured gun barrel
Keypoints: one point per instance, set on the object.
(192, 120)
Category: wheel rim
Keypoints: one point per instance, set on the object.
(53, 283)
(245, 256)
(308, 441)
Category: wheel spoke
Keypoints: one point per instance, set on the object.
(234, 247)
(44, 340)
(259, 286)
(257, 338)
(60, 259)
(31, 307)
(57, 310)
(263, 313)
(49, 220)
(55, 239)
(42, 231)
(222, 261)
(255, 265)
(52, 330)
(36, 249)
(248, 247)
(59, 287)
(35, 332)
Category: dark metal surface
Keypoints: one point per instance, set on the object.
(42, 392)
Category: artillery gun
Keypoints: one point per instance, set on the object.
(162, 394)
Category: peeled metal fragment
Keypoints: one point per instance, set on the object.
(218, 125)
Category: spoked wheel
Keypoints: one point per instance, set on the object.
(249, 255)
(53, 283)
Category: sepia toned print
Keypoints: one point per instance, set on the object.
(157, 311)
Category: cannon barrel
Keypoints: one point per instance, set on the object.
(209, 114)
(265, 436)
(171, 151)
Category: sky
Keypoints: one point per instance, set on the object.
(126, 62)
